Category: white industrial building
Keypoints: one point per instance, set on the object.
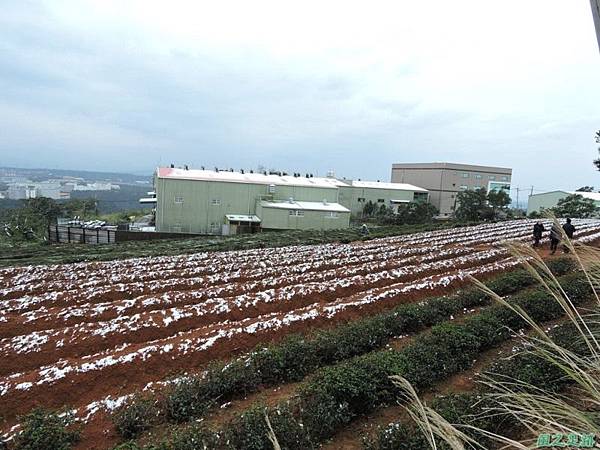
(547, 200)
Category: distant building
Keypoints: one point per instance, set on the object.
(226, 202)
(23, 191)
(445, 180)
(94, 187)
(547, 200)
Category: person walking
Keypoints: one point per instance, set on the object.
(555, 236)
(569, 230)
(538, 229)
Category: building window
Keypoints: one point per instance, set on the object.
(465, 175)
(463, 187)
(215, 227)
(497, 185)
(361, 200)
(492, 177)
(296, 212)
(216, 202)
(178, 199)
(478, 176)
(505, 178)
(331, 215)
(381, 200)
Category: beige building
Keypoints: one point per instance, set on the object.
(445, 180)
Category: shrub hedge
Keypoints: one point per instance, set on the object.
(297, 356)
(46, 430)
(336, 395)
(361, 385)
(473, 408)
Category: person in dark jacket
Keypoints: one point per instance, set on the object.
(538, 229)
(555, 236)
(569, 230)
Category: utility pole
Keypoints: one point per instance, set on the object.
(517, 198)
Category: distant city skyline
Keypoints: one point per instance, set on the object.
(309, 87)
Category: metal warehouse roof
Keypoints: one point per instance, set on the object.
(380, 185)
(250, 178)
(308, 206)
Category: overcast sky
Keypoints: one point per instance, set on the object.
(302, 86)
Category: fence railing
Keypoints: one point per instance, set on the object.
(66, 234)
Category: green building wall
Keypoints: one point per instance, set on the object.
(280, 219)
(546, 200)
(198, 213)
(355, 198)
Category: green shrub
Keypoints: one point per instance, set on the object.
(192, 438)
(490, 327)
(290, 360)
(249, 430)
(186, 398)
(46, 430)
(138, 415)
(290, 431)
(396, 436)
(130, 445)
(447, 349)
(236, 377)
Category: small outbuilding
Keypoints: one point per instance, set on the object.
(297, 215)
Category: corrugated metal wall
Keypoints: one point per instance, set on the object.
(355, 198)
(280, 219)
(193, 206)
